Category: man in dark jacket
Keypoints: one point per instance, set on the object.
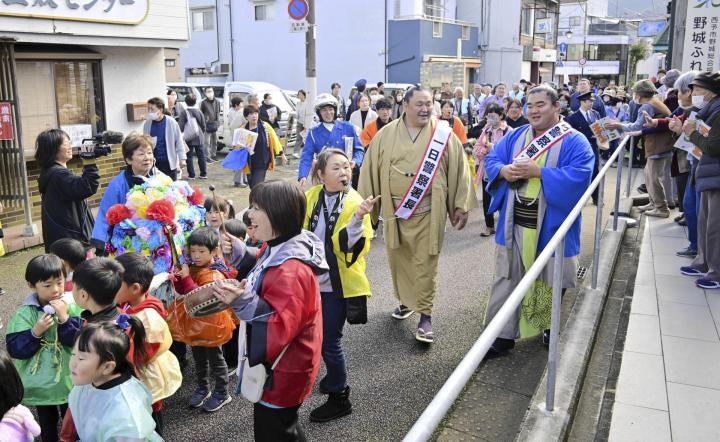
(65, 212)
(584, 87)
(269, 112)
(194, 141)
(581, 121)
(706, 264)
(210, 109)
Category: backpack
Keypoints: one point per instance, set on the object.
(192, 129)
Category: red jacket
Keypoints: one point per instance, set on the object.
(292, 291)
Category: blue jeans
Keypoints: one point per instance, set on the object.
(334, 315)
(200, 152)
(691, 204)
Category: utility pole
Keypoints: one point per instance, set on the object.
(310, 70)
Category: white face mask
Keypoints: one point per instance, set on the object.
(152, 116)
(698, 101)
(493, 119)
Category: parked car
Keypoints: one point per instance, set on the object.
(390, 88)
(244, 88)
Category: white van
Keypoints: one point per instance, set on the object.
(244, 88)
(198, 89)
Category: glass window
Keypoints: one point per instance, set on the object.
(466, 32)
(169, 62)
(575, 21)
(526, 21)
(203, 20)
(437, 29)
(263, 12)
(59, 93)
(574, 52)
(434, 8)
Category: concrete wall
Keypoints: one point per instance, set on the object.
(202, 49)
(498, 37)
(130, 75)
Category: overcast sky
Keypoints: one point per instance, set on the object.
(646, 8)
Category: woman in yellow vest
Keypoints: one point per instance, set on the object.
(337, 213)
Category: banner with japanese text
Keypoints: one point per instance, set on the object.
(701, 33)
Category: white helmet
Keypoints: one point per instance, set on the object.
(323, 100)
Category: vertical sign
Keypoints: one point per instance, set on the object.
(6, 125)
(701, 32)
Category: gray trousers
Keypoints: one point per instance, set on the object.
(507, 279)
(210, 361)
(655, 171)
(708, 226)
(239, 177)
(210, 144)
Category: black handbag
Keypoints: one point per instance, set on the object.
(356, 310)
(211, 126)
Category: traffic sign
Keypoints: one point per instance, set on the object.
(563, 47)
(582, 61)
(298, 9)
(298, 25)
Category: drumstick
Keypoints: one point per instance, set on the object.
(215, 205)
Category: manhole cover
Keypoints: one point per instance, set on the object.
(581, 273)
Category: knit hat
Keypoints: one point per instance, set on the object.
(707, 80)
(671, 77)
(645, 87)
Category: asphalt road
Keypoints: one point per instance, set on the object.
(392, 376)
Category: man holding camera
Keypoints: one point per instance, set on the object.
(169, 149)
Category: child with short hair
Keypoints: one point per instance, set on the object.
(217, 210)
(236, 228)
(95, 283)
(72, 252)
(251, 240)
(161, 371)
(17, 423)
(108, 402)
(39, 337)
(207, 267)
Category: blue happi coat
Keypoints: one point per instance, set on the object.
(320, 138)
(562, 186)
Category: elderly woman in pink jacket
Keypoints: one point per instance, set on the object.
(494, 130)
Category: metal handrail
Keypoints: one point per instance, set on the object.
(428, 421)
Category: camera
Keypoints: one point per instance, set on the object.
(100, 145)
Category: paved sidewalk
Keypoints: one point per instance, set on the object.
(669, 383)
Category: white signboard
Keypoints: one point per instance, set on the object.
(298, 25)
(543, 25)
(701, 32)
(125, 12)
(544, 55)
(77, 133)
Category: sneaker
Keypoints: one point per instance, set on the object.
(203, 177)
(337, 406)
(402, 312)
(687, 253)
(705, 283)
(501, 347)
(679, 217)
(690, 271)
(296, 156)
(2, 291)
(216, 402)
(642, 188)
(657, 213)
(210, 161)
(682, 222)
(487, 231)
(546, 337)
(191, 178)
(198, 397)
(646, 207)
(424, 332)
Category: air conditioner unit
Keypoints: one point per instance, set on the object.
(225, 68)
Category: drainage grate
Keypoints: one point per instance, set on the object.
(581, 273)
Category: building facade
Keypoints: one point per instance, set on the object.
(83, 69)
(379, 40)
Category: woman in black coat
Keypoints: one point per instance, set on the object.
(65, 213)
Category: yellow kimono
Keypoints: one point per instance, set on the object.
(413, 245)
(274, 144)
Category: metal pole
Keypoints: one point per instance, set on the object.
(555, 325)
(617, 192)
(310, 66)
(598, 232)
(630, 164)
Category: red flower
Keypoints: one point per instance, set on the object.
(117, 213)
(197, 198)
(162, 211)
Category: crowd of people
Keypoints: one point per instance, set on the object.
(96, 353)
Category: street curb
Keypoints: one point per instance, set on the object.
(574, 350)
